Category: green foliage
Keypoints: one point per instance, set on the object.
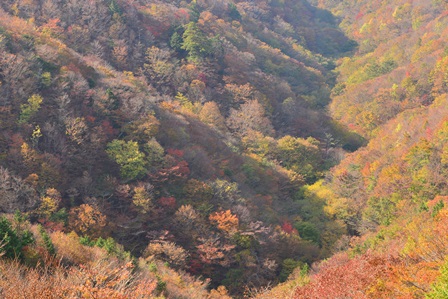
(176, 41)
(419, 155)
(109, 244)
(196, 43)
(233, 12)
(439, 206)
(308, 231)
(375, 70)
(205, 208)
(154, 153)
(113, 101)
(301, 156)
(305, 269)
(12, 241)
(161, 285)
(288, 266)
(194, 11)
(128, 156)
(47, 241)
(19, 217)
(381, 210)
(29, 109)
(152, 267)
(60, 216)
(85, 240)
(184, 101)
(112, 247)
(228, 172)
(225, 191)
(233, 279)
(250, 169)
(115, 8)
(440, 288)
(244, 241)
(46, 79)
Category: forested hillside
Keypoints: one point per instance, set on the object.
(218, 149)
(392, 194)
(162, 148)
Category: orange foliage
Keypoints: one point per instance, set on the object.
(101, 280)
(110, 280)
(87, 219)
(225, 221)
(212, 251)
(71, 252)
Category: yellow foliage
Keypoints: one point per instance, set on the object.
(48, 206)
(219, 293)
(142, 199)
(71, 251)
(211, 115)
(29, 155)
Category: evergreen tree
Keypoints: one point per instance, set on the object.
(47, 241)
(195, 43)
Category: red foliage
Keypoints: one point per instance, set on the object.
(51, 225)
(182, 14)
(72, 67)
(16, 141)
(108, 129)
(90, 118)
(366, 170)
(287, 227)
(202, 77)
(168, 202)
(89, 93)
(155, 30)
(342, 277)
(175, 152)
(195, 266)
(179, 170)
(53, 26)
(359, 15)
(428, 133)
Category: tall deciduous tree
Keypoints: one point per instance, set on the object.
(30, 108)
(87, 219)
(225, 221)
(211, 115)
(128, 156)
(250, 117)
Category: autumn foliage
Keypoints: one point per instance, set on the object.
(220, 139)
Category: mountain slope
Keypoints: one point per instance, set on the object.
(185, 131)
(399, 64)
(391, 194)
